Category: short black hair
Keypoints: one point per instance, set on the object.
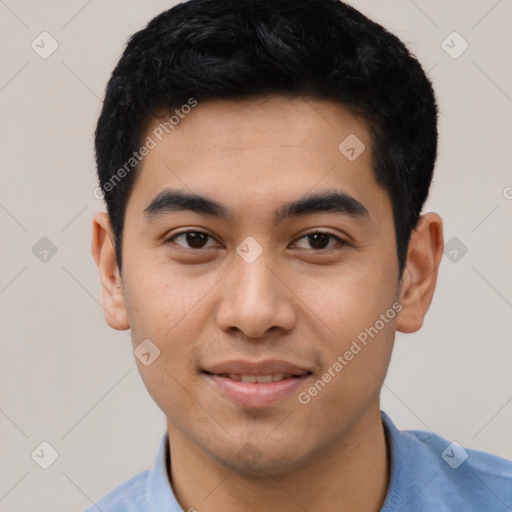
(238, 49)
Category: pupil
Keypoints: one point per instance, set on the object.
(319, 240)
(196, 240)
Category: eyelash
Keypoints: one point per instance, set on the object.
(340, 242)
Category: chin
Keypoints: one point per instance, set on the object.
(260, 457)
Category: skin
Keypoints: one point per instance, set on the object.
(294, 302)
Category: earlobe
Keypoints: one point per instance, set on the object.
(103, 252)
(420, 275)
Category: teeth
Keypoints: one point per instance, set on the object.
(262, 379)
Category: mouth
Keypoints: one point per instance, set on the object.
(257, 379)
(256, 385)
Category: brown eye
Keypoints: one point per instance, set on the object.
(193, 239)
(320, 240)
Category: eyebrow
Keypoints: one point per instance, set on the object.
(330, 201)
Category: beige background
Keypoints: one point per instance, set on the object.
(68, 379)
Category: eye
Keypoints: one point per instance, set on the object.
(193, 239)
(320, 240)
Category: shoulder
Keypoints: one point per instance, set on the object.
(431, 473)
(456, 456)
(128, 496)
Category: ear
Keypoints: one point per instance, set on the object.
(420, 274)
(104, 255)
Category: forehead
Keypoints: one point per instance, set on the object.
(259, 152)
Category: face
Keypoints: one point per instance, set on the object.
(250, 287)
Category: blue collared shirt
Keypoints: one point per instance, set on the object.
(428, 474)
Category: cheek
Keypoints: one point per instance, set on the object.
(168, 308)
(160, 298)
(357, 306)
(348, 300)
(164, 306)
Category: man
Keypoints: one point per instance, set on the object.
(264, 165)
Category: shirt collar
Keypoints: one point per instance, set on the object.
(159, 491)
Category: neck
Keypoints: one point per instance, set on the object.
(353, 474)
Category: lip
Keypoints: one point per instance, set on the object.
(247, 394)
(256, 395)
(265, 367)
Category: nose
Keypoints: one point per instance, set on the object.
(255, 299)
